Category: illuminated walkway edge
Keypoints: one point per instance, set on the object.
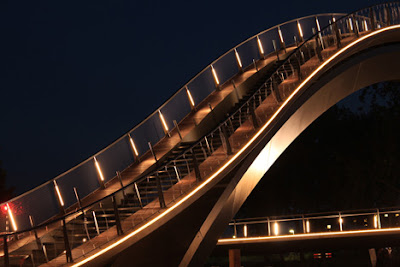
(239, 153)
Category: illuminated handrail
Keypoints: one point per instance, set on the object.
(156, 112)
(370, 219)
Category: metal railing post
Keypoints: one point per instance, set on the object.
(196, 166)
(68, 253)
(388, 16)
(5, 249)
(254, 117)
(226, 137)
(269, 226)
(117, 218)
(355, 26)
(378, 217)
(121, 183)
(177, 129)
(152, 151)
(138, 195)
(38, 242)
(160, 192)
(276, 90)
(337, 33)
(372, 17)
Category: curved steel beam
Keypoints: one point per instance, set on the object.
(368, 60)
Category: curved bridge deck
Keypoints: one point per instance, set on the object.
(208, 173)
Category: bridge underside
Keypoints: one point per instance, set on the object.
(188, 234)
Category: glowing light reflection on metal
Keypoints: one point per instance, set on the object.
(163, 121)
(300, 31)
(317, 22)
(190, 97)
(280, 35)
(276, 228)
(215, 75)
(301, 236)
(133, 145)
(238, 58)
(234, 157)
(260, 45)
(96, 163)
(351, 24)
(58, 193)
(11, 216)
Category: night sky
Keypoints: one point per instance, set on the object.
(76, 75)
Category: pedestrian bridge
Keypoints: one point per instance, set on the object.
(173, 182)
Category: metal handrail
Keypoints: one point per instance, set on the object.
(166, 102)
(224, 122)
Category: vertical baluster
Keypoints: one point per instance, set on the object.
(372, 17)
(5, 250)
(226, 137)
(254, 117)
(138, 195)
(196, 166)
(117, 218)
(68, 253)
(160, 192)
(337, 33)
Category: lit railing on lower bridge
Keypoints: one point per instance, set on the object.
(308, 224)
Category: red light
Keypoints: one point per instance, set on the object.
(5, 208)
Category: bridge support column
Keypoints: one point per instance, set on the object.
(234, 258)
(372, 256)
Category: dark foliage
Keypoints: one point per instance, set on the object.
(5, 192)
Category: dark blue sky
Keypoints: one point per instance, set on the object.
(76, 75)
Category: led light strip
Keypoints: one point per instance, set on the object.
(13, 223)
(300, 236)
(223, 167)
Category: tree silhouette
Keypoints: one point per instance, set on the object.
(5, 192)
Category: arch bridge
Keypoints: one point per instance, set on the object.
(163, 193)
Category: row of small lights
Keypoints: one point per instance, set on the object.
(307, 226)
(141, 228)
(161, 116)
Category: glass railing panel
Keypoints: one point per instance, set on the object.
(203, 85)
(177, 108)
(320, 225)
(84, 178)
(390, 219)
(359, 222)
(289, 31)
(266, 41)
(228, 66)
(249, 51)
(149, 131)
(41, 204)
(116, 157)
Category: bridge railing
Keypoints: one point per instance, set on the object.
(85, 222)
(42, 202)
(384, 218)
